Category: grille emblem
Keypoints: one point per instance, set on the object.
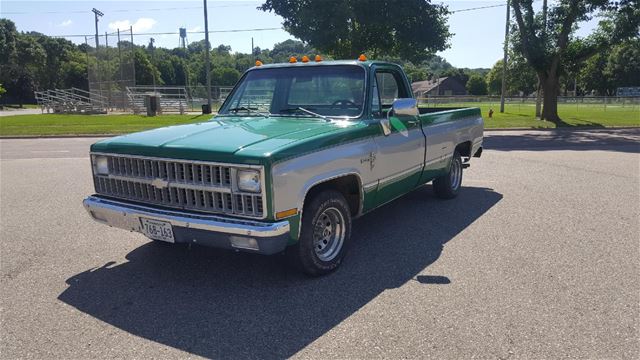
(159, 183)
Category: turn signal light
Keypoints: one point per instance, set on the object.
(362, 57)
(305, 59)
(258, 63)
(293, 60)
(318, 58)
(286, 213)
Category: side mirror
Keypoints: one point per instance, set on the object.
(399, 108)
(405, 107)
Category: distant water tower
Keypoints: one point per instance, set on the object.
(183, 45)
(183, 38)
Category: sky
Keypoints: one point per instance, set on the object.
(477, 41)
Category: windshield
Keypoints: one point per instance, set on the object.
(330, 91)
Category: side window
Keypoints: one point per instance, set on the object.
(388, 88)
(376, 109)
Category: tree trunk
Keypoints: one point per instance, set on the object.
(550, 105)
(539, 100)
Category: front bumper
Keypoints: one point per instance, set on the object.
(209, 230)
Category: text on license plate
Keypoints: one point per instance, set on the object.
(158, 230)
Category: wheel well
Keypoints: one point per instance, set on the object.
(464, 149)
(348, 186)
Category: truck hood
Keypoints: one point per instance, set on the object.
(225, 139)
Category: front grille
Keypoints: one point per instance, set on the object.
(178, 184)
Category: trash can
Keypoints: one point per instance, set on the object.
(152, 103)
(206, 109)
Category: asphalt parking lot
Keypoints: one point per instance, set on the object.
(539, 257)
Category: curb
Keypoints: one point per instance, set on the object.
(569, 128)
(14, 137)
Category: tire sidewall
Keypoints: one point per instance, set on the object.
(456, 158)
(308, 257)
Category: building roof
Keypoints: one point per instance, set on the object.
(427, 85)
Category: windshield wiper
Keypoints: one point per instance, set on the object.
(300, 108)
(250, 110)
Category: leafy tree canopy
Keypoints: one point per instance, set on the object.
(550, 47)
(476, 85)
(410, 29)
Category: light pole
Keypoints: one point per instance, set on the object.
(97, 14)
(206, 57)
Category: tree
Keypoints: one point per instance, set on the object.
(411, 29)
(548, 45)
(623, 64)
(145, 71)
(282, 51)
(521, 79)
(476, 85)
(2, 91)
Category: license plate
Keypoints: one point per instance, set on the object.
(157, 230)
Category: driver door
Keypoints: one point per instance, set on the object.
(400, 156)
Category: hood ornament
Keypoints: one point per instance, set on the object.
(160, 183)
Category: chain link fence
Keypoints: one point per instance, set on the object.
(111, 67)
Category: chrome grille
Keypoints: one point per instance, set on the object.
(205, 187)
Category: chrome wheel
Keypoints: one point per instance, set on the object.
(455, 173)
(328, 234)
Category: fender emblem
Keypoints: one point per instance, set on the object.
(371, 159)
(160, 183)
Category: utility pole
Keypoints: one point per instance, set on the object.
(207, 55)
(544, 39)
(97, 14)
(253, 57)
(504, 60)
(153, 60)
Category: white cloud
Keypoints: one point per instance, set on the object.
(65, 23)
(194, 29)
(142, 24)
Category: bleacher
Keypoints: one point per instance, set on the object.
(71, 101)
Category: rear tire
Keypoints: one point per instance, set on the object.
(448, 185)
(324, 236)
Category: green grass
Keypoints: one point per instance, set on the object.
(586, 115)
(58, 124)
(516, 115)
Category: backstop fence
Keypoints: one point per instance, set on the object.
(111, 67)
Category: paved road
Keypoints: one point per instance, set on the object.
(20, 112)
(539, 257)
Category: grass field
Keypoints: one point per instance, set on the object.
(58, 124)
(515, 116)
(583, 115)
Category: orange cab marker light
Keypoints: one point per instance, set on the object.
(286, 213)
(258, 63)
(318, 58)
(362, 57)
(293, 59)
(305, 59)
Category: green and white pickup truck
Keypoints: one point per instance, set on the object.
(296, 152)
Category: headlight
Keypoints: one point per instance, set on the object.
(249, 180)
(101, 164)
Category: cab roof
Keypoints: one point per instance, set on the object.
(364, 64)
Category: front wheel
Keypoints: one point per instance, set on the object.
(448, 185)
(324, 236)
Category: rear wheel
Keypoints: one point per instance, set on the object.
(448, 185)
(324, 236)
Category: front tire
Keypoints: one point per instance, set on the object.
(448, 185)
(324, 236)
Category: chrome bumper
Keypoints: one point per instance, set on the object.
(208, 230)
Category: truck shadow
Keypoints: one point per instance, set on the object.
(619, 140)
(221, 304)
